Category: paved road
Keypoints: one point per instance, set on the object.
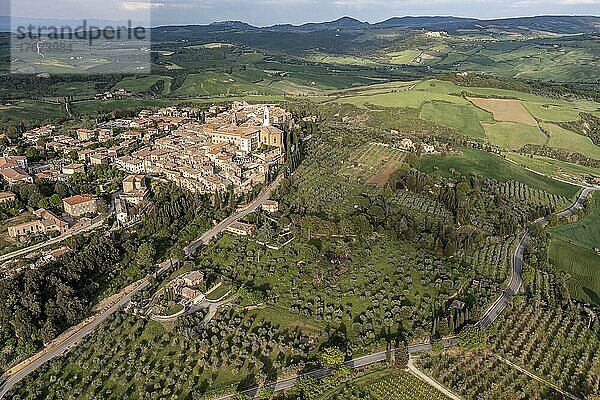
(39, 246)
(359, 362)
(58, 349)
(220, 227)
(516, 280)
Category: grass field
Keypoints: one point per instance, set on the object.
(511, 135)
(582, 264)
(220, 83)
(465, 119)
(219, 292)
(552, 112)
(31, 112)
(341, 59)
(410, 98)
(552, 167)
(140, 84)
(561, 138)
(586, 231)
(491, 166)
(506, 110)
(543, 108)
(403, 57)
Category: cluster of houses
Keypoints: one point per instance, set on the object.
(14, 169)
(234, 147)
(45, 222)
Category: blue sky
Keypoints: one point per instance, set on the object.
(267, 12)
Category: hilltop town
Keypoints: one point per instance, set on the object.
(221, 149)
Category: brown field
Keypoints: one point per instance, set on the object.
(506, 110)
(374, 163)
(382, 178)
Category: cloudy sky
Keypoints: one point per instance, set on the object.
(267, 12)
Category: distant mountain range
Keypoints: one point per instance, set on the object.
(554, 24)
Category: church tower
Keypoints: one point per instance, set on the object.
(266, 118)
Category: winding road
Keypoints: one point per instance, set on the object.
(359, 362)
(73, 336)
(516, 280)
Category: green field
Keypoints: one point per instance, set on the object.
(31, 112)
(98, 106)
(141, 84)
(491, 166)
(511, 135)
(586, 231)
(341, 59)
(209, 83)
(411, 98)
(465, 119)
(583, 267)
(219, 292)
(561, 138)
(403, 57)
(543, 108)
(554, 168)
(552, 112)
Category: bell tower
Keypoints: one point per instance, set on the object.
(266, 117)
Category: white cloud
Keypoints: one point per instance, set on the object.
(139, 5)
